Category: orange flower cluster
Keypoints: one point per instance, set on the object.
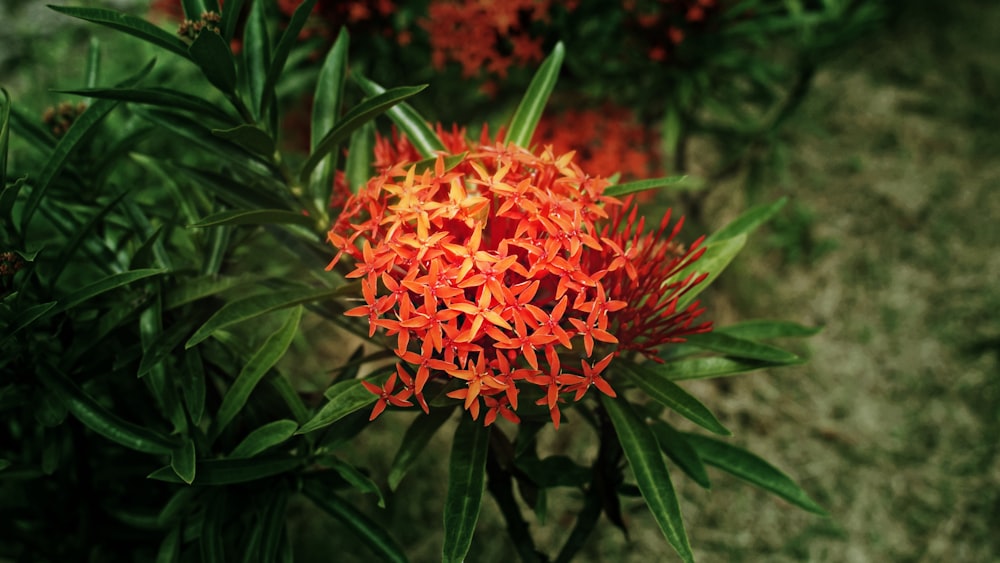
(607, 141)
(501, 32)
(510, 269)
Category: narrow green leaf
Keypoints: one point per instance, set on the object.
(267, 436)
(680, 451)
(193, 9)
(352, 120)
(81, 234)
(164, 344)
(255, 217)
(529, 111)
(8, 197)
(358, 168)
(679, 183)
(102, 286)
(415, 127)
(255, 306)
(249, 137)
(764, 329)
(212, 543)
(466, 483)
(327, 100)
(92, 73)
(344, 397)
(554, 471)
(288, 39)
(741, 348)
(132, 25)
(230, 17)
(704, 368)
(256, 53)
(748, 221)
(671, 395)
(372, 535)
(193, 289)
(752, 469)
(182, 461)
(68, 143)
(170, 547)
(164, 97)
(89, 412)
(274, 524)
(25, 318)
(212, 55)
(450, 162)
(361, 482)
(417, 436)
(232, 471)
(644, 457)
(713, 262)
(268, 354)
(4, 144)
(193, 385)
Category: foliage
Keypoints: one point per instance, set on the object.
(161, 252)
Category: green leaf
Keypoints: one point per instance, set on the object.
(763, 329)
(529, 111)
(25, 318)
(213, 545)
(748, 221)
(97, 418)
(267, 436)
(212, 55)
(8, 197)
(466, 483)
(289, 38)
(93, 70)
(68, 143)
(417, 436)
(327, 99)
(344, 397)
(170, 547)
(671, 395)
(4, 143)
(230, 17)
(703, 368)
(450, 162)
(273, 525)
(713, 262)
(740, 348)
(752, 469)
(193, 9)
(255, 306)
(103, 286)
(268, 354)
(644, 457)
(193, 289)
(554, 471)
(372, 535)
(361, 482)
(256, 53)
(164, 344)
(680, 451)
(232, 471)
(129, 24)
(164, 97)
(192, 384)
(255, 217)
(352, 120)
(182, 461)
(410, 123)
(680, 183)
(250, 137)
(358, 168)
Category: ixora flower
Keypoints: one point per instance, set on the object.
(508, 270)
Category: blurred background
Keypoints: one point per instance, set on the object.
(889, 242)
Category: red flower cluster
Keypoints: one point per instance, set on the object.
(501, 32)
(607, 141)
(511, 269)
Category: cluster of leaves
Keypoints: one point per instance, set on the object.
(156, 272)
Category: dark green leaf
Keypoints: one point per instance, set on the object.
(80, 234)
(102, 286)
(213, 546)
(345, 397)
(671, 395)
(748, 221)
(740, 348)
(99, 419)
(371, 534)
(415, 127)
(255, 306)
(358, 168)
(182, 461)
(212, 55)
(267, 436)
(230, 17)
(529, 111)
(256, 53)
(231, 471)
(274, 523)
(255, 217)
(644, 457)
(93, 71)
(4, 143)
(680, 451)
(288, 39)
(25, 318)
(417, 436)
(713, 262)
(164, 97)
(193, 9)
(164, 344)
(466, 483)
(702, 368)
(170, 547)
(361, 482)
(249, 137)
(268, 354)
(680, 183)
(762, 329)
(193, 289)
(753, 469)
(193, 385)
(8, 197)
(129, 24)
(352, 120)
(327, 99)
(554, 471)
